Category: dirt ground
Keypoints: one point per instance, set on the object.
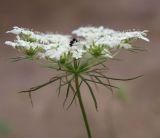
(138, 118)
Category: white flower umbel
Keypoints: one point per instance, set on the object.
(81, 59)
(108, 37)
(51, 45)
(93, 40)
(92, 32)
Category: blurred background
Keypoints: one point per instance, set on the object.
(133, 115)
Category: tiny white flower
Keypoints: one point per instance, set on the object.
(57, 53)
(17, 30)
(97, 41)
(92, 32)
(10, 43)
(126, 46)
(135, 34)
(109, 41)
(78, 50)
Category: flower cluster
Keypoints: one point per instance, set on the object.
(89, 41)
(76, 56)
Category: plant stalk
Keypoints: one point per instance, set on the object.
(82, 106)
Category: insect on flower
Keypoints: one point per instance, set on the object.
(73, 41)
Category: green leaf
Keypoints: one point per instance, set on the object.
(16, 59)
(69, 68)
(108, 86)
(67, 93)
(104, 84)
(121, 95)
(74, 96)
(5, 129)
(125, 79)
(27, 37)
(92, 93)
(102, 75)
(42, 85)
(83, 67)
(59, 89)
(113, 78)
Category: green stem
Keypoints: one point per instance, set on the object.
(82, 106)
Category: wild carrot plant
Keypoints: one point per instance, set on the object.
(80, 58)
